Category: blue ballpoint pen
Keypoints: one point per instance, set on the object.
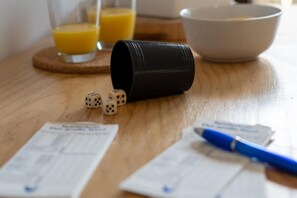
(251, 150)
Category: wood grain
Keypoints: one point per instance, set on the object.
(262, 91)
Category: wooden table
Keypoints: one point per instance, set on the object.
(262, 91)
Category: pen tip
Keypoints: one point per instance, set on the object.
(199, 130)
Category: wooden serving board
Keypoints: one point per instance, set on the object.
(162, 29)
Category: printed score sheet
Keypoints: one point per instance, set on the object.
(194, 168)
(57, 161)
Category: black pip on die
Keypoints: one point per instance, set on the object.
(119, 96)
(93, 100)
(110, 107)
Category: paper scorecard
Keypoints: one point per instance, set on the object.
(194, 168)
(57, 161)
(250, 182)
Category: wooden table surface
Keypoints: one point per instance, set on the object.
(262, 91)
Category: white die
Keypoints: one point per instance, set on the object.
(93, 100)
(119, 96)
(110, 107)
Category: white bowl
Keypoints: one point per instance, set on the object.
(230, 33)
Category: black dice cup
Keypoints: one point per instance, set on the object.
(145, 69)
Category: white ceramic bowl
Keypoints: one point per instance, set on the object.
(230, 33)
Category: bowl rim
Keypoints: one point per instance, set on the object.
(277, 13)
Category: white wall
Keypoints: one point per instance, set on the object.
(22, 22)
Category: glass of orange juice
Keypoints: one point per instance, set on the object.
(75, 31)
(117, 21)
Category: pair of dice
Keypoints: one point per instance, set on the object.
(116, 97)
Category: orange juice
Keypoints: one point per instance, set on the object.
(116, 23)
(92, 14)
(76, 38)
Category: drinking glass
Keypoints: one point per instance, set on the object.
(117, 21)
(75, 28)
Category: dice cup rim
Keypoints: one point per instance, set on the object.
(121, 78)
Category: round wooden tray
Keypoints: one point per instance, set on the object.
(49, 60)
